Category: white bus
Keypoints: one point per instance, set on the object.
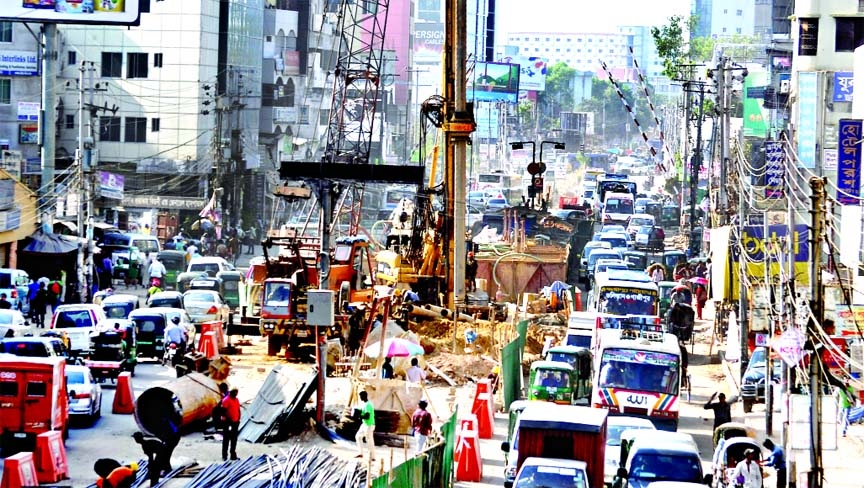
(624, 293)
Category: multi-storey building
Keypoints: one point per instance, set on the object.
(20, 93)
(724, 18)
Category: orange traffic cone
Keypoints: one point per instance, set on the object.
(124, 397)
(19, 471)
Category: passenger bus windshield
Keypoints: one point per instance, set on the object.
(623, 300)
(618, 205)
(647, 371)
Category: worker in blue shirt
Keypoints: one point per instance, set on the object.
(776, 460)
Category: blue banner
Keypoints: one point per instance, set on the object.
(754, 243)
(775, 167)
(808, 102)
(849, 162)
(844, 85)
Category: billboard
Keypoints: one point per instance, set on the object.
(428, 42)
(494, 82)
(111, 185)
(755, 115)
(808, 105)
(121, 12)
(849, 162)
(532, 72)
(19, 63)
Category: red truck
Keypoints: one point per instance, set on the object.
(558, 433)
(33, 400)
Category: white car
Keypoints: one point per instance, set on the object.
(85, 394)
(205, 306)
(474, 215)
(78, 322)
(637, 221)
(12, 323)
(615, 425)
(477, 198)
(548, 472)
(210, 265)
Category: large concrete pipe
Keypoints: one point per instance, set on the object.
(161, 410)
(445, 313)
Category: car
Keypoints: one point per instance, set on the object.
(85, 394)
(548, 472)
(12, 323)
(583, 260)
(753, 380)
(496, 203)
(613, 228)
(600, 253)
(209, 264)
(14, 283)
(618, 240)
(640, 203)
(78, 322)
(615, 425)
(205, 306)
(604, 265)
(636, 221)
(477, 198)
(173, 299)
(649, 237)
(35, 347)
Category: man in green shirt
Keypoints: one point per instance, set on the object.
(367, 427)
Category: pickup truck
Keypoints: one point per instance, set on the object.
(558, 433)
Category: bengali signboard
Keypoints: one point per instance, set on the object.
(28, 111)
(844, 84)
(849, 162)
(775, 166)
(494, 82)
(158, 201)
(111, 185)
(18, 63)
(808, 101)
(116, 12)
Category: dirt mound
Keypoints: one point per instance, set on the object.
(461, 368)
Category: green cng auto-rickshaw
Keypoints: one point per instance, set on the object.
(581, 360)
(551, 381)
(175, 264)
(150, 328)
(184, 280)
(665, 295)
(230, 287)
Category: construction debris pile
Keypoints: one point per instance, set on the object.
(296, 466)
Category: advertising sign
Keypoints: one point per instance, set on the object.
(487, 122)
(28, 133)
(754, 113)
(849, 162)
(829, 159)
(157, 201)
(808, 101)
(754, 245)
(117, 12)
(428, 41)
(494, 82)
(844, 83)
(18, 63)
(532, 72)
(28, 111)
(775, 166)
(11, 163)
(111, 185)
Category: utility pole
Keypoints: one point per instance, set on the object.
(743, 290)
(47, 118)
(695, 166)
(817, 202)
(83, 158)
(723, 106)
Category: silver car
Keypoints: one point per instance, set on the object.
(85, 395)
(205, 306)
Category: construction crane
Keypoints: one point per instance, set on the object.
(345, 165)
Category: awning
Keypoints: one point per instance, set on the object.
(43, 243)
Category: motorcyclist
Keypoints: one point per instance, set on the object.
(175, 334)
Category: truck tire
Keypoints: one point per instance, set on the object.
(274, 345)
(748, 405)
(344, 297)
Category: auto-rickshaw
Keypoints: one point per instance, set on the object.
(736, 429)
(665, 295)
(581, 360)
(205, 283)
(184, 279)
(670, 216)
(119, 306)
(729, 455)
(655, 209)
(230, 287)
(114, 351)
(551, 381)
(175, 264)
(150, 330)
(636, 260)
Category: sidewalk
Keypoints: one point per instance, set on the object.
(842, 467)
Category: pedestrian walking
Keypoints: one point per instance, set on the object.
(415, 373)
(218, 411)
(776, 460)
(845, 397)
(422, 423)
(252, 238)
(722, 409)
(470, 272)
(231, 424)
(39, 304)
(367, 427)
(387, 369)
(748, 473)
(701, 300)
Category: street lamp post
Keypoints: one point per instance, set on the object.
(536, 168)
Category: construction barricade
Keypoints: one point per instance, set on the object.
(51, 465)
(469, 465)
(207, 345)
(19, 471)
(124, 397)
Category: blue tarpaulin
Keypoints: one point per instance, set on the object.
(46, 243)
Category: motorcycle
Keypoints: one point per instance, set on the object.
(170, 354)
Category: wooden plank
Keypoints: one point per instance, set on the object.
(441, 374)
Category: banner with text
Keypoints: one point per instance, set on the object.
(775, 166)
(849, 162)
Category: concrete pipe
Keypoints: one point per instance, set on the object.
(447, 313)
(161, 410)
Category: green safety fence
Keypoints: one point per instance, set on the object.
(511, 365)
(433, 468)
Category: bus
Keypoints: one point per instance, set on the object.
(613, 183)
(618, 208)
(638, 373)
(624, 293)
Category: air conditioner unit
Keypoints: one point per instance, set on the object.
(784, 86)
